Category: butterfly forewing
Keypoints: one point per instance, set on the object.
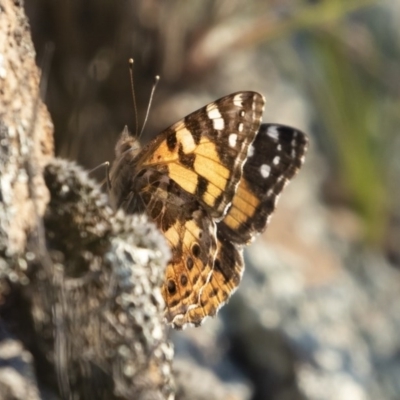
(275, 156)
(204, 153)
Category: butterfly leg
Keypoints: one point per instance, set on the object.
(105, 164)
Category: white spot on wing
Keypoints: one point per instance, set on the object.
(265, 170)
(250, 152)
(218, 124)
(273, 133)
(237, 100)
(253, 106)
(240, 127)
(276, 160)
(232, 139)
(185, 138)
(213, 112)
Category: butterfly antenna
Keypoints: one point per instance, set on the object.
(133, 95)
(156, 80)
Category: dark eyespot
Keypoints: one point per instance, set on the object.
(189, 263)
(214, 292)
(184, 280)
(171, 287)
(196, 250)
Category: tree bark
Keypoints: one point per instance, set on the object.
(81, 310)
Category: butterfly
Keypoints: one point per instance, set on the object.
(210, 182)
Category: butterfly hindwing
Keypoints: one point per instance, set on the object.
(193, 246)
(224, 280)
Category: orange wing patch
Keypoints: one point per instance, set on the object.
(225, 278)
(193, 247)
(244, 206)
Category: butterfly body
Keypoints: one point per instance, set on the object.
(210, 183)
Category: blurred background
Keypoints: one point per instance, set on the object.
(317, 315)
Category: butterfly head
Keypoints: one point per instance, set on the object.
(125, 143)
(126, 150)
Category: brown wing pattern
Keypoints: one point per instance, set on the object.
(274, 158)
(204, 153)
(224, 280)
